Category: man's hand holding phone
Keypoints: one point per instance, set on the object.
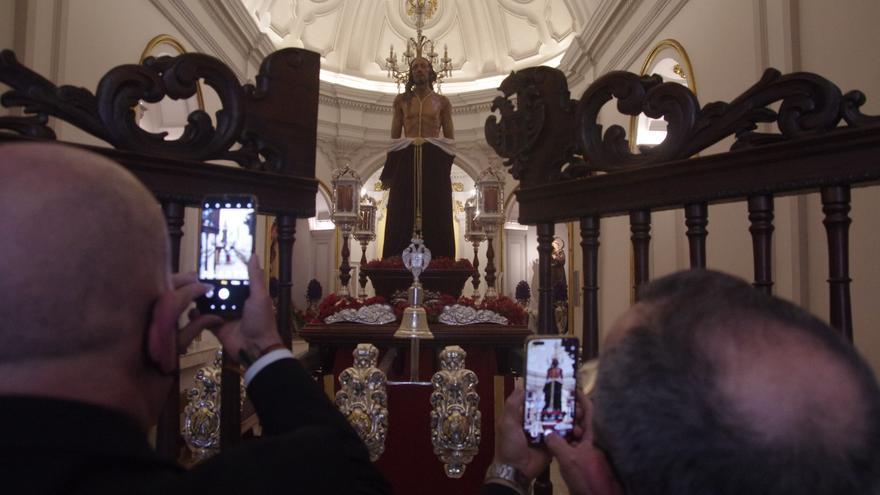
(513, 449)
(246, 339)
(584, 467)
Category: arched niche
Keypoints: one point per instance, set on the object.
(669, 60)
(167, 115)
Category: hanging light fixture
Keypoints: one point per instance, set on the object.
(419, 47)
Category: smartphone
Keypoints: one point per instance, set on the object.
(226, 243)
(551, 380)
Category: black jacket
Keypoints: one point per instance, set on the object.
(50, 446)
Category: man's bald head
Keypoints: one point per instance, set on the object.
(84, 253)
(714, 387)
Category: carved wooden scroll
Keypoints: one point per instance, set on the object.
(260, 127)
(543, 130)
(535, 132)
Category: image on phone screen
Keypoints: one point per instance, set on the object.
(227, 240)
(550, 387)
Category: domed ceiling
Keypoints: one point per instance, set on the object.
(486, 38)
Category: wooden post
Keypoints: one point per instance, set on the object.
(640, 226)
(545, 291)
(696, 218)
(761, 228)
(590, 250)
(835, 205)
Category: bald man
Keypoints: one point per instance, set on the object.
(707, 386)
(89, 342)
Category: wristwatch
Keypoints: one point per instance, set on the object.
(508, 475)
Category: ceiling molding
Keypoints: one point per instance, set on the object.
(181, 16)
(590, 45)
(357, 105)
(233, 18)
(353, 36)
(643, 35)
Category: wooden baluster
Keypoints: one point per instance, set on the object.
(286, 236)
(761, 218)
(835, 206)
(696, 218)
(545, 292)
(590, 249)
(640, 226)
(546, 320)
(168, 440)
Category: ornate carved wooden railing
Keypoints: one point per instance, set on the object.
(269, 129)
(570, 170)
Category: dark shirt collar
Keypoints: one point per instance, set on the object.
(72, 426)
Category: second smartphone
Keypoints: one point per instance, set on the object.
(226, 243)
(551, 380)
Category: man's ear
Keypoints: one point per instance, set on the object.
(161, 345)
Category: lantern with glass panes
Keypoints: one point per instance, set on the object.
(364, 233)
(473, 233)
(346, 212)
(490, 214)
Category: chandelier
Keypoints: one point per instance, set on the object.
(419, 47)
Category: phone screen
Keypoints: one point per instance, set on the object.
(226, 242)
(551, 365)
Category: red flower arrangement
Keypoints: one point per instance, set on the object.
(441, 263)
(507, 308)
(333, 304)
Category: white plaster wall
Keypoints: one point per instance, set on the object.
(7, 23)
(837, 41)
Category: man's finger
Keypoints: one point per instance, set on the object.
(586, 420)
(194, 328)
(184, 278)
(513, 406)
(186, 294)
(256, 276)
(558, 446)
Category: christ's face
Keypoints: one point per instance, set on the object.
(421, 70)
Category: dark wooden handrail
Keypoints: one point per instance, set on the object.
(795, 167)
